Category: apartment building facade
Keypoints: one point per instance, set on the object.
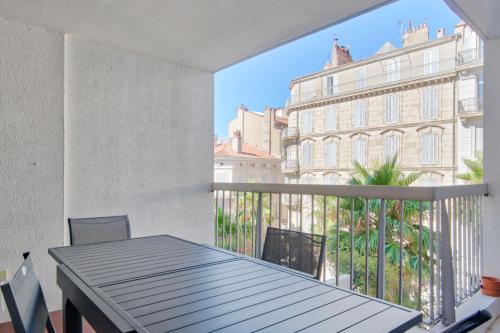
(422, 101)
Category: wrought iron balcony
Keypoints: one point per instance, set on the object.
(470, 56)
(289, 167)
(404, 75)
(470, 107)
(290, 133)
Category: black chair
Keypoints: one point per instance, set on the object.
(98, 229)
(25, 302)
(297, 250)
(469, 323)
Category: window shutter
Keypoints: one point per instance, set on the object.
(331, 118)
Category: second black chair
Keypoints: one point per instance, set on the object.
(297, 250)
(92, 230)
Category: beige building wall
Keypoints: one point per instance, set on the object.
(455, 134)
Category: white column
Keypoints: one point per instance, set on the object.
(491, 235)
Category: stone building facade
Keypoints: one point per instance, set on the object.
(422, 101)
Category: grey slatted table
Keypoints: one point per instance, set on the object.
(165, 284)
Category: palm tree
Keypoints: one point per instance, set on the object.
(389, 174)
(475, 174)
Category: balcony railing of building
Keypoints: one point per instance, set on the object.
(417, 246)
(290, 133)
(289, 166)
(403, 75)
(470, 106)
(470, 56)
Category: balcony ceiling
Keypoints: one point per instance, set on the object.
(482, 15)
(204, 34)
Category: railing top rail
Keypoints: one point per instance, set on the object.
(419, 193)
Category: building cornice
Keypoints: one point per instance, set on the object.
(375, 58)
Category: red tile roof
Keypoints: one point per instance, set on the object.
(249, 151)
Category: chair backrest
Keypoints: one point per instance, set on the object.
(297, 250)
(92, 230)
(25, 302)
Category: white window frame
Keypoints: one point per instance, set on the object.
(307, 178)
(392, 146)
(392, 107)
(361, 77)
(429, 103)
(393, 68)
(358, 144)
(359, 113)
(306, 153)
(429, 148)
(331, 151)
(306, 121)
(431, 61)
(330, 117)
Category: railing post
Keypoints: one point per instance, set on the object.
(381, 252)
(447, 276)
(258, 227)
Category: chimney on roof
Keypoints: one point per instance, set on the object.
(440, 33)
(340, 54)
(236, 142)
(415, 34)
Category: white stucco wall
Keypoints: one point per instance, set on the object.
(139, 140)
(31, 149)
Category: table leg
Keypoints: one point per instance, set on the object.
(72, 319)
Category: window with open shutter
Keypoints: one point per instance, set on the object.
(306, 122)
(359, 150)
(306, 154)
(359, 113)
(391, 108)
(431, 61)
(331, 117)
(393, 69)
(429, 103)
(330, 153)
(391, 146)
(361, 77)
(331, 84)
(429, 148)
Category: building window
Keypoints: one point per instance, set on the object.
(359, 113)
(331, 85)
(306, 122)
(330, 179)
(429, 148)
(391, 146)
(393, 67)
(307, 178)
(307, 154)
(391, 107)
(221, 177)
(309, 90)
(431, 61)
(359, 150)
(361, 77)
(429, 103)
(289, 156)
(330, 153)
(331, 117)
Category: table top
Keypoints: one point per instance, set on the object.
(165, 284)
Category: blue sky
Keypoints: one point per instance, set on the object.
(264, 79)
